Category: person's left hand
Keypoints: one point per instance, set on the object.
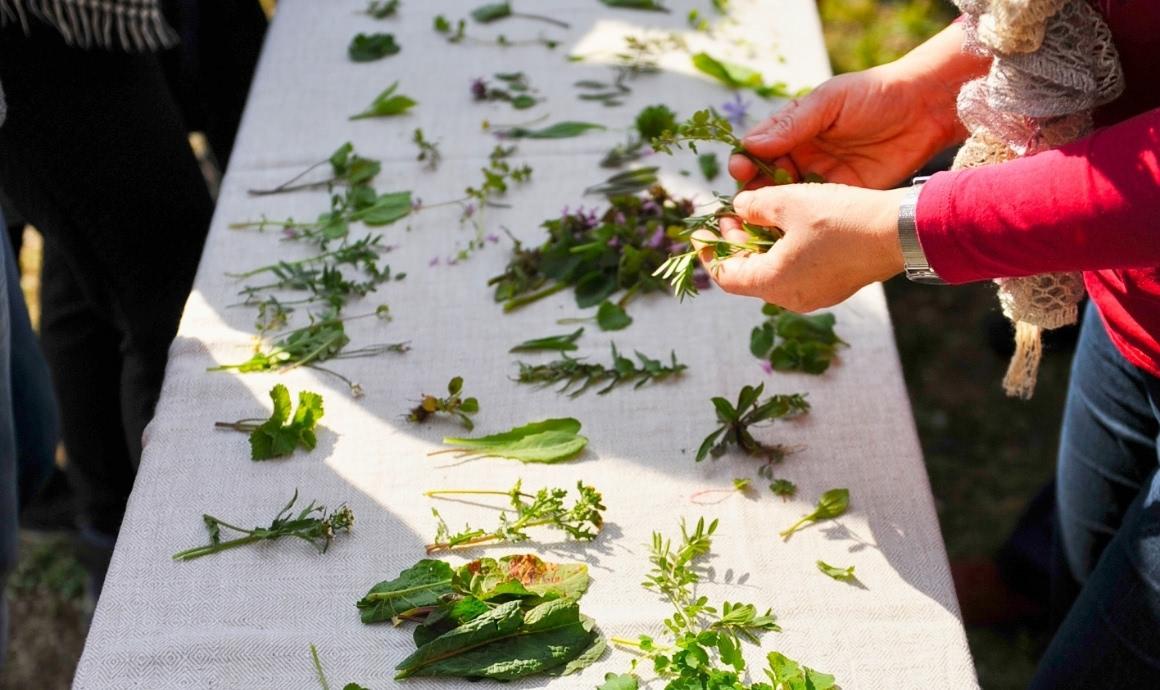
(837, 240)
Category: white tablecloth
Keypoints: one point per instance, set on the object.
(245, 619)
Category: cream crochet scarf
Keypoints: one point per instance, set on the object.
(129, 25)
(1053, 62)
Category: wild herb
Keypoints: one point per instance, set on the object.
(516, 90)
(598, 254)
(454, 405)
(653, 5)
(627, 183)
(706, 649)
(381, 9)
(322, 675)
(741, 485)
(359, 204)
(795, 342)
(639, 56)
(485, 14)
(650, 123)
(457, 33)
(783, 488)
(840, 574)
(502, 620)
(832, 504)
(547, 441)
(560, 130)
(735, 422)
(709, 165)
(428, 150)
(281, 433)
(545, 508)
(371, 47)
(571, 371)
(387, 104)
(736, 76)
(347, 168)
(312, 524)
(554, 343)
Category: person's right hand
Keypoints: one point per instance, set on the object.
(868, 129)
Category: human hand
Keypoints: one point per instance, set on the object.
(872, 128)
(837, 239)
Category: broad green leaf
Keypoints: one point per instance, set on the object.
(612, 317)
(535, 575)
(761, 340)
(843, 574)
(555, 343)
(621, 681)
(370, 47)
(549, 441)
(710, 168)
(788, 674)
(653, 5)
(707, 444)
(387, 209)
(560, 130)
(423, 584)
(280, 434)
(496, 624)
(730, 74)
(594, 288)
(386, 104)
(491, 12)
(626, 183)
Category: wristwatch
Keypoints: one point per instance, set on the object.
(918, 268)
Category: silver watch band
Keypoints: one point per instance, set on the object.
(913, 258)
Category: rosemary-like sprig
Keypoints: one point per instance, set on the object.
(571, 371)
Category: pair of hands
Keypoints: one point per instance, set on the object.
(863, 132)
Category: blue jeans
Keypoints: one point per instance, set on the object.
(1107, 545)
(28, 426)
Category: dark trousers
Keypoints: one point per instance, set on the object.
(1106, 583)
(94, 154)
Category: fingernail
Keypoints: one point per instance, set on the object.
(742, 200)
(756, 140)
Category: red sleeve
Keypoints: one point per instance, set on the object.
(1093, 204)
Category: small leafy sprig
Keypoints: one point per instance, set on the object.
(831, 504)
(453, 405)
(582, 520)
(456, 32)
(428, 150)
(651, 122)
(381, 9)
(279, 435)
(639, 56)
(387, 104)
(736, 420)
(839, 574)
(312, 524)
(783, 488)
(371, 47)
(347, 168)
(627, 183)
(485, 14)
(795, 342)
(552, 343)
(571, 371)
(516, 90)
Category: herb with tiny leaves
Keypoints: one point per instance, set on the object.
(454, 405)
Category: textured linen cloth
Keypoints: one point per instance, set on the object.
(246, 618)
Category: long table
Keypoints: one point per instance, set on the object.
(246, 618)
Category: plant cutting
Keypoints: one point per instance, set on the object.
(559, 130)
(280, 434)
(381, 9)
(597, 254)
(312, 524)
(706, 640)
(795, 342)
(652, 5)
(734, 76)
(347, 168)
(371, 47)
(387, 104)
(735, 422)
(429, 152)
(516, 90)
(457, 33)
(831, 504)
(651, 122)
(502, 620)
(454, 405)
(627, 183)
(639, 56)
(545, 508)
(547, 441)
(553, 343)
(571, 371)
(839, 574)
(783, 488)
(486, 14)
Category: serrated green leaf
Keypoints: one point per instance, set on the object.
(280, 434)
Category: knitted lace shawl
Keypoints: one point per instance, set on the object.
(128, 25)
(1053, 62)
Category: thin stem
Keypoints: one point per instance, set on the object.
(318, 666)
(198, 552)
(466, 492)
(484, 538)
(542, 18)
(524, 300)
(285, 186)
(785, 535)
(245, 425)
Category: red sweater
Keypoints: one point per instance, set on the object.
(1091, 206)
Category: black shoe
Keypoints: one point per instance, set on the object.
(51, 509)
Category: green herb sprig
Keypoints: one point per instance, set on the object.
(651, 122)
(371, 47)
(387, 104)
(652, 5)
(428, 150)
(627, 183)
(347, 168)
(453, 405)
(639, 56)
(571, 371)
(831, 504)
(486, 14)
(312, 524)
(735, 422)
(381, 9)
(545, 508)
(796, 342)
(783, 488)
(553, 343)
(456, 32)
(734, 76)
(281, 433)
(516, 90)
(839, 574)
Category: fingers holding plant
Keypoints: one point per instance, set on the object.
(835, 239)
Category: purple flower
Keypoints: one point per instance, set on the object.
(650, 208)
(766, 367)
(658, 239)
(736, 111)
(479, 89)
(614, 241)
(493, 238)
(564, 211)
(416, 204)
(468, 211)
(434, 261)
(290, 233)
(618, 218)
(701, 278)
